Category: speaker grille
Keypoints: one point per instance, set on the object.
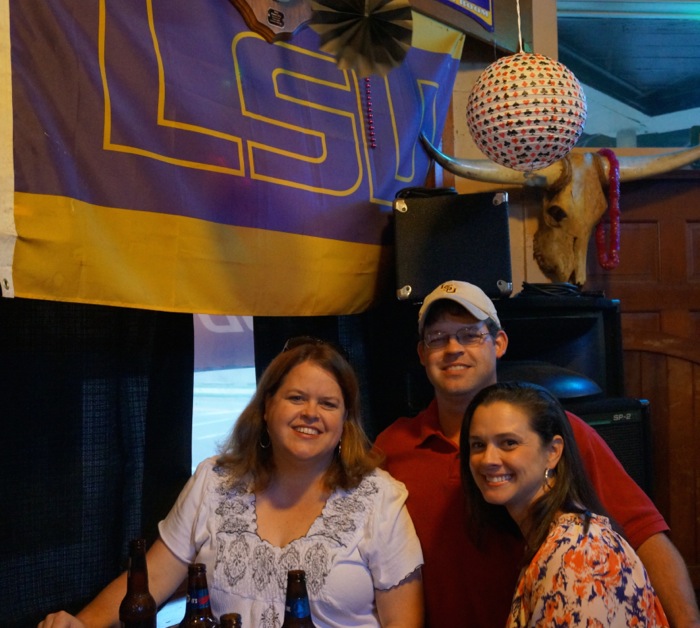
(624, 425)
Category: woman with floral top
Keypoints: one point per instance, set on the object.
(296, 487)
(521, 466)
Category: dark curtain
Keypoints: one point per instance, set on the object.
(96, 410)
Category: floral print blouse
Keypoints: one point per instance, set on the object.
(579, 578)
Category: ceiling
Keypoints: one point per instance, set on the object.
(646, 54)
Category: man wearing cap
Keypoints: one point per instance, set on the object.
(470, 584)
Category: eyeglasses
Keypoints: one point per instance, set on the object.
(465, 336)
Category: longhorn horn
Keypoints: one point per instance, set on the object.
(487, 171)
(633, 168)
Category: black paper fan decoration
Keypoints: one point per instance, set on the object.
(368, 36)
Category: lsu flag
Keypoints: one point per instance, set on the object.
(161, 155)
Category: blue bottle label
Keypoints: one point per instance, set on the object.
(200, 599)
(299, 608)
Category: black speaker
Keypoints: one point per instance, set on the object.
(580, 333)
(452, 236)
(624, 425)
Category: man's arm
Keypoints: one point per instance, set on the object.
(669, 577)
(643, 526)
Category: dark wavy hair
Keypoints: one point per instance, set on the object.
(572, 490)
(242, 454)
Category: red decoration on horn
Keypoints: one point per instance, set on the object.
(610, 258)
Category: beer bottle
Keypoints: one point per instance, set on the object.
(297, 612)
(231, 620)
(198, 609)
(138, 608)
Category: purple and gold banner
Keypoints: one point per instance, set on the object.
(167, 157)
(479, 10)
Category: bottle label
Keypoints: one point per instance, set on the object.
(199, 599)
(298, 608)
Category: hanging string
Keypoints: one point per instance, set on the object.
(520, 32)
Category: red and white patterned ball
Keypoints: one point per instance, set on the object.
(526, 111)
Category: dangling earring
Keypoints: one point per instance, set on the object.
(548, 475)
(264, 445)
(340, 446)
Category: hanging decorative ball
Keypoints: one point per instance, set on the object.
(526, 111)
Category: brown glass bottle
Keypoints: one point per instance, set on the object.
(138, 608)
(297, 612)
(231, 620)
(198, 609)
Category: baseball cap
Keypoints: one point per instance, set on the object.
(470, 297)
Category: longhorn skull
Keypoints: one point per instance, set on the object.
(574, 198)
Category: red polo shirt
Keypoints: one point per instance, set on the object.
(469, 586)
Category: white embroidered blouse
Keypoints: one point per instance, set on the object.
(363, 540)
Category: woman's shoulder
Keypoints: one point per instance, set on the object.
(384, 478)
(576, 523)
(206, 464)
(212, 471)
(383, 484)
(577, 518)
(208, 467)
(584, 532)
(378, 499)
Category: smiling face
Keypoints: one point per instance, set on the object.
(508, 459)
(305, 417)
(456, 370)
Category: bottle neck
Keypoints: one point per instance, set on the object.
(230, 620)
(137, 579)
(198, 602)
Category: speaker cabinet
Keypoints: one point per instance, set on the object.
(452, 236)
(580, 333)
(624, 425)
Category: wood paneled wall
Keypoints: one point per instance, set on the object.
(658, 285)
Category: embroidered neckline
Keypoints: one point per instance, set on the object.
(247, 561)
